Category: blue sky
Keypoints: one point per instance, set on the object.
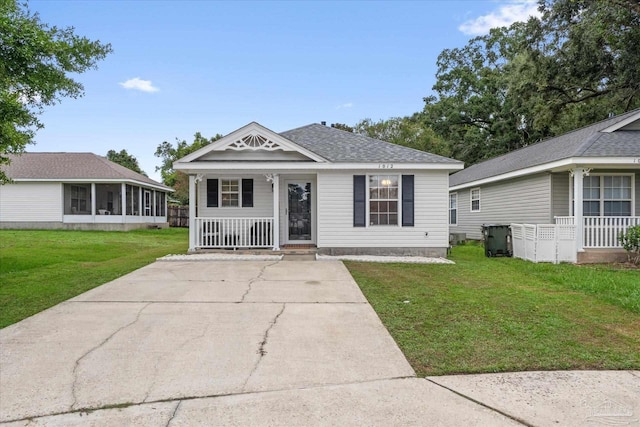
(179, 67)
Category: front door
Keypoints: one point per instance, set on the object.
(147, 203)
(299, 211)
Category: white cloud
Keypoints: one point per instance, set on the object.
(347, 105)
(505, 15)
(139, 84)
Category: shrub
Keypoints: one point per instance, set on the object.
(631, 243)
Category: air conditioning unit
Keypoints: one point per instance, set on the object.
(457, 238)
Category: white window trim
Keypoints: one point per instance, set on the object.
(456, 197)
(602, 174)
(398, 200)
(471, 200)
(220, 192)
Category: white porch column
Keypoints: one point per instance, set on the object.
(93, 200)
(192, 213)
(276, 212)
(578, 175)
(123, 201)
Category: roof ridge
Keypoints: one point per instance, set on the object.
(299, 127)
(588, 143)
(114, 166)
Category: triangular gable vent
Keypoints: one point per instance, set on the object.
(254, 142)
(252, 137)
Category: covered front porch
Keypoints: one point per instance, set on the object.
(250, 210)
(113, 203)
(601, 232)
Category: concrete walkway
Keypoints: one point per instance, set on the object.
(260, 343)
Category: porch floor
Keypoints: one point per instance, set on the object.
(284, 250)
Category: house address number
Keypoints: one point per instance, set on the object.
(385, 166)
(636, 160)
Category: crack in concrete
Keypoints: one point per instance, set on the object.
(91, 350)
(200, 397)
(175, 411)
(255, 279)
(477, 402)
(157, 364)
(261, 350)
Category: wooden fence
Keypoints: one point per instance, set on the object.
(178, 216)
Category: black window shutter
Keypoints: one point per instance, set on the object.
(212, 193)
(407, 200)
(359, 200)
(247, 193)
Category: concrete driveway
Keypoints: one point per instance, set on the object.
(238, 342)
(279, 343)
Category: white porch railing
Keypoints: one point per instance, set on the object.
(234, 233)
(602, 231)
(544, 242)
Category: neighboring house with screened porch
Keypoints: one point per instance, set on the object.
(589, 178)
(317, 186)
(78, 191)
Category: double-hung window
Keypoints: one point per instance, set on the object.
(453, 208)
(607, 195)
(230, 193)
(475, 200)
(617, 195)
(591, 196)
(383, 200)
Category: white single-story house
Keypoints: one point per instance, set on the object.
(78, 191)
(317, 186)
(589, 178)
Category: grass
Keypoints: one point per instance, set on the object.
(503, 314)
(40, 268)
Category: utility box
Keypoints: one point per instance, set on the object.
(497, 240)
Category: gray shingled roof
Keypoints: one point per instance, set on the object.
(588, 141)
(339, 146)
(70, 166)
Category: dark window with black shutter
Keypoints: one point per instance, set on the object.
(212, 193)
(247, 193)
(407, 201)
(359, 200)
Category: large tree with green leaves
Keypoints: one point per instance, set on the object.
(169, 153)
(123, 158)
(575, 65)
(407, 131)
(36, 67)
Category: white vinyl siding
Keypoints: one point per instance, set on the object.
(262, 200)
(335, 213)
(522, 200)
(31, 202)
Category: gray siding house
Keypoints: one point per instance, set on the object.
(595, 168)
(78, 191)
(317, 186)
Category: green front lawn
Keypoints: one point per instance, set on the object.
(39, 269)
(502, 314)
